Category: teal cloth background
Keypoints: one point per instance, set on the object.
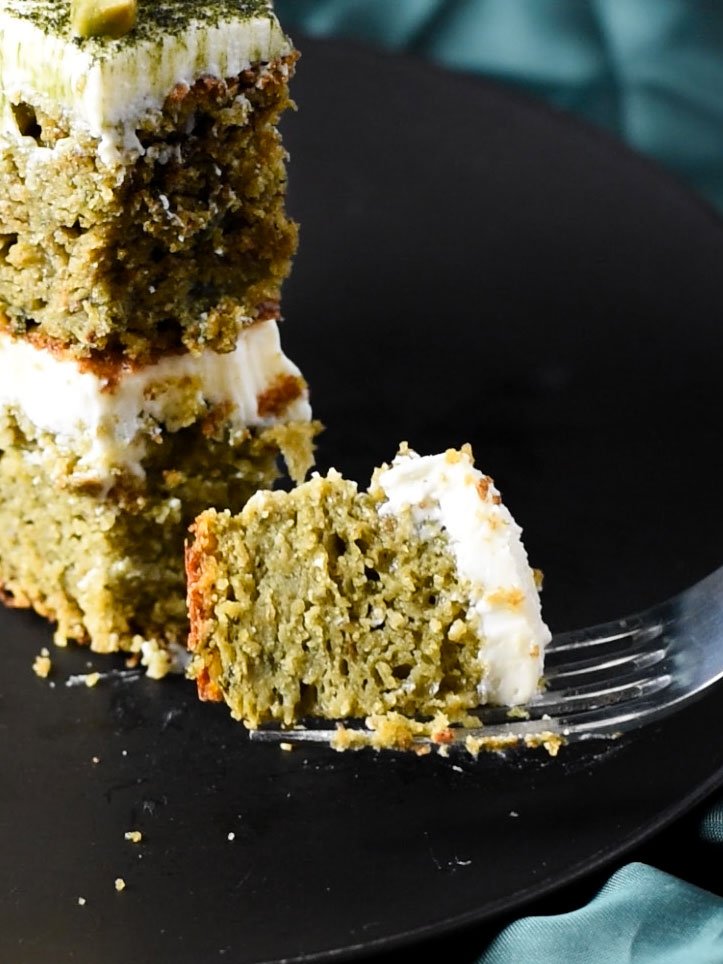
(650, 72)
(641, 915)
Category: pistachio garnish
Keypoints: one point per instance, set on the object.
(103, 18)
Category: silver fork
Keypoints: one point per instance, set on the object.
(601, 681)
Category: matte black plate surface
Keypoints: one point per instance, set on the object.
(473, 267)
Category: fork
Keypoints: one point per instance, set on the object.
(600, 681)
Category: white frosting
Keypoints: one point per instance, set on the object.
(447, 490)
(112, 424)
(108, 87)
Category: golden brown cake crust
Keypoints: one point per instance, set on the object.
(200, 577)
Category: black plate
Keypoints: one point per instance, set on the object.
(473, 267)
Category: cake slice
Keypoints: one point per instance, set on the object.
(413, 599)
(103, 466)
(142, 176)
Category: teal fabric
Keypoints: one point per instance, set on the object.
(641, 916)
(650, 71)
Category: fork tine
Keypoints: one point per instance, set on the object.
(573, 717)
(580, 724)
(632, 631)
(557, 676)
(589, 698)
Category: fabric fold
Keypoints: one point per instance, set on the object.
(640, 916)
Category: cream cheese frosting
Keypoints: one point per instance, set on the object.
(111, 423)
(447, 490)
(108, 86)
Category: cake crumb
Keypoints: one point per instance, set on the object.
(550, 741)
(512, 597)
(91, 679)
(476, 744)
(95, 759)
(159, 660)
(156, 661)
(518, 713)
(135, 836)
(286, 746)
(483, 487)
(43, 664)
(456, 631)
(81, 901)
(120, 884)
(231, 836)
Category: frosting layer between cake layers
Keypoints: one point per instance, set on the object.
(110, 417)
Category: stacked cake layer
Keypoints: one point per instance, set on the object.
(142, 179)
(143, 243)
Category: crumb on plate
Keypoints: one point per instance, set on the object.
(43, 664)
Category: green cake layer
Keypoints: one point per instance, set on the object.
(309, 603)
(107, 568)
(182, 246)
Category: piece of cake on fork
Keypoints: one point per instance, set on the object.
(411, 599)
(143, 241)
